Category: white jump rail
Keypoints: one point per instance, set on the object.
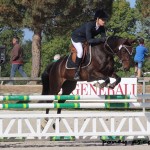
(75, 124)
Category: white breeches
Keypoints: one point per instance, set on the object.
(79, 48)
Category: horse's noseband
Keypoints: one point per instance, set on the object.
(125, 46)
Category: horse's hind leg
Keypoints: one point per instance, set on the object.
(45, 91)
(67, 87)
(45, 87)
(54, 88)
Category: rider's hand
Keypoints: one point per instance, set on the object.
(103, 39)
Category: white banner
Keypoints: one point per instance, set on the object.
(127, 86)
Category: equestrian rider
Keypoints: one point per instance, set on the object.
(87, 32)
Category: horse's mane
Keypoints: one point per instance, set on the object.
(115, 37)
(110, 38)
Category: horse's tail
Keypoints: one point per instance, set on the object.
(45, 80)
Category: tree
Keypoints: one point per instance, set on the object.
(143, 9)
(123, 19)
(47, 17)
(143, 6)
(58, 45)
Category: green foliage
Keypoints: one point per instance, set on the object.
(58, 45)
(142, 7)
(123, 19)
(146, 67)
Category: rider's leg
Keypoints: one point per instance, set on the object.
(77, 70)
(139, 73)
(136, 69)
(139, 69)
(79, 49)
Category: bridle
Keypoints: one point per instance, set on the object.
(119, 48)
(111, 51)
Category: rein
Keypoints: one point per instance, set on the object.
(106, 44)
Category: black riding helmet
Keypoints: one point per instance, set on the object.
(100, 14)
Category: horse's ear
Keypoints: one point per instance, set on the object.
(129, 41)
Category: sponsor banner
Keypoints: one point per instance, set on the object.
(127, 86)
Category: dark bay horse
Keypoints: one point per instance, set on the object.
(56, 76)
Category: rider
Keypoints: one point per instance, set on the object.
(87, 32)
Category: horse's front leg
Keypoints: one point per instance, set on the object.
(104, 84)
(118, 80)
(67, 87)
(59, 111)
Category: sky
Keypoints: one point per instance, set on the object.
(132, 3)
(28, 34)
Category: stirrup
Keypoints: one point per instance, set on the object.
(76, 76)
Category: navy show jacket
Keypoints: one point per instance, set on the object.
(87, 32)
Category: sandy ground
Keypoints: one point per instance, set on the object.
(44, 145)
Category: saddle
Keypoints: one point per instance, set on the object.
(86, 59)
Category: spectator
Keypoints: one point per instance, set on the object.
(16, 59)
(141, 51)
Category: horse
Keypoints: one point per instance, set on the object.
(101, 67)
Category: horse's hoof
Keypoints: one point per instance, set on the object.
(102, 85)
(43, 123)
(97, 84)
(54, 126)
(111, 86)
(108, 85)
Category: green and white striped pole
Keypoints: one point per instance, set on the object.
(63, 97)
(75, 105)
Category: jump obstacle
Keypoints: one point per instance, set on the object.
(103, 101)
(75, 125)
(96, 120)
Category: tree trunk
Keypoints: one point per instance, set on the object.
(36, 56)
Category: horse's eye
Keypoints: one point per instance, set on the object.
(123, 51)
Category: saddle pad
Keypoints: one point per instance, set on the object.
(87, 60)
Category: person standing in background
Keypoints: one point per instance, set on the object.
(16, 59)
(139, 57)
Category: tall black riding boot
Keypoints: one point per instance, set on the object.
(77, 70)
